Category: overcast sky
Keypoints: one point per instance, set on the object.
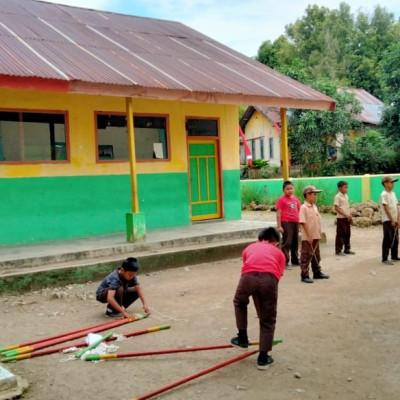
(240, 24)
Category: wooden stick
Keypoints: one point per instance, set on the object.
(196, 375)
(83, 344)
(74, 335)
(15, 346)
(96, 357)
(81, 352)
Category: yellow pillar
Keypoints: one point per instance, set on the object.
(365, 188)
(135, 221)
(284, 145)
(132, 154)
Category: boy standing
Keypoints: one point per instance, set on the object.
(263, 266)
(287, 219)
(120, 289)
(310, 222)
(390, 220)
(343, 220)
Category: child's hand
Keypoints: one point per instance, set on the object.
(146, 310)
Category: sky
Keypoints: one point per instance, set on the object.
(242, 25)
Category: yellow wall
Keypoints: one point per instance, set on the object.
(260, 127)
(81, 110)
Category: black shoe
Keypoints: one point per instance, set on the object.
(307, 279)
(387, 262)
(395, 259)
(349, 252)
(110, 313)
(237, 343)
(321, 275)
(264, 363)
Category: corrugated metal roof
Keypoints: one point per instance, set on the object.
(372, 107)
(94, 50)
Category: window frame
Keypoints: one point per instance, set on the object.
(67, 135)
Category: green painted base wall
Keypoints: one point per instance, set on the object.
(268, 190)
(231, 194)
(38, 209)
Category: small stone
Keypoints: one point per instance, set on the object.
(349, 379)
(300, 391)
(297, 375)
(240, 387)
(372, 272)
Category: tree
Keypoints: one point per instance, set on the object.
(369, 154)
(390, 82)
(311, 133)
(334, 44)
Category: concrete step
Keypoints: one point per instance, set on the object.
(92, 265)
(41, 254)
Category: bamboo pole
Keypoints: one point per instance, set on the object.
(59, 349)
(72, 336)
(96, 357)
(196, 375)
(15, 346)
(81, 352)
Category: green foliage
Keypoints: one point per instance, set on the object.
(369, 154)
(242, 110)
(260, 163)
(259, 196)
(311, 133)
(335, 45)
(390, 81)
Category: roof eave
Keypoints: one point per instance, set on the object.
(100, 89)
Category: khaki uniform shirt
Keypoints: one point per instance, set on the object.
(390, 199)
(342, 200)
(310, 216)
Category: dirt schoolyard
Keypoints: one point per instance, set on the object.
(341, 337)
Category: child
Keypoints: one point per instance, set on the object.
(120, 289)
(263, 266)
(287, 219)
(390, 221)
(310, 222)
(343, 220)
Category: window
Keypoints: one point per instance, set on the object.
(262, 156)
(32, 136)
(253, 149)
(150, 137)
(271, 148)
(202, 127)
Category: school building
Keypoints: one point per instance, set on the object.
(114, 123)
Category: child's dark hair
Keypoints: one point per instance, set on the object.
(269, 234)
(342, 183)
(130, 264)
(287, 183)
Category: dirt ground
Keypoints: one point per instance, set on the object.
(340, 336)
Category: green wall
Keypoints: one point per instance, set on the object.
(37, 209)
(231, 194)
(271, 189)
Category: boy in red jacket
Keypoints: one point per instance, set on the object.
(263, 266)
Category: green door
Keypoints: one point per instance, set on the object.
(204, 180)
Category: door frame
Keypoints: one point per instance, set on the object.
(216, 141)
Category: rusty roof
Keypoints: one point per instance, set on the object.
(371, 107)
(55, 47)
